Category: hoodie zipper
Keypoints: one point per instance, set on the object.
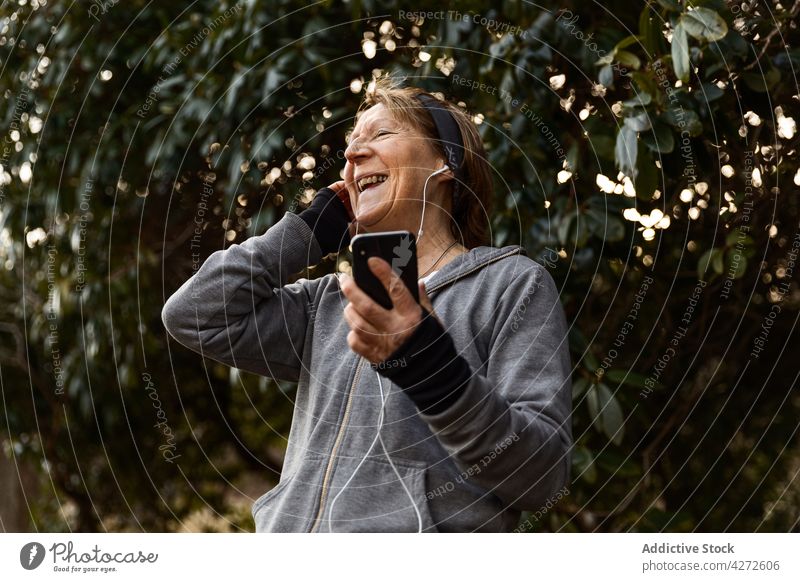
(338, 441)
(340, 434)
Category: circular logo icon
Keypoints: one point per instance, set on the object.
(31, 555)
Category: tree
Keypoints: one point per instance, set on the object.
(648, 158)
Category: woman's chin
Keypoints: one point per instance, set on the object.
(371, 214)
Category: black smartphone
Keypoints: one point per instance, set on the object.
(398, 248)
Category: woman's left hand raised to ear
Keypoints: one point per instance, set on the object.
(376, 333)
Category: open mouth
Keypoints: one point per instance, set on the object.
(371, 181)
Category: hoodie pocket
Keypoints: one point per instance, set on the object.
(270, 495)
(289, 506)
(375, 500)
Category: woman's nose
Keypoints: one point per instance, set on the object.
(354, 151)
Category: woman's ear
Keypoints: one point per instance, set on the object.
(448, 174)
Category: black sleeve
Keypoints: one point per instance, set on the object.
(427, 367)
(328, 220)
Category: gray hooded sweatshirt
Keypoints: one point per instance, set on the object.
(501, 447)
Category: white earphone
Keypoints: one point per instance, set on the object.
(385, 399)
(444, 168)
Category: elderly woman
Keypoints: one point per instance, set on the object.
(451, 414)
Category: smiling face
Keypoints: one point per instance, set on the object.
(387, 164)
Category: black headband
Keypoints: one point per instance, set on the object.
(449, 136)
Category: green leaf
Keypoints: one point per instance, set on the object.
(735, 263)
(669, 5)
(273, 79)
(602, 146)
(589, 360)
(660, 139)
(744, 242)
(573, 156)
(680, 53)
(627, 377)
(606, 76)
(615, 229)
(583, 464)
(684, 119)
(641, 99)
(649, 30)
(627, 41)
(605, 226)
(593, 402)
(565, 229)
(710, 92)
(704, 24)
(577, 341)
(639, 122)
(606, 412)
(606, 59)
(646, 84)
(646, 180)
(628, 59)
(579, 386)
(625, 151)
(711, 259)
(762, 83)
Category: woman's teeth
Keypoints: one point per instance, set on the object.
(365, 183)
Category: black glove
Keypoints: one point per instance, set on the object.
(328, 220)
(427, 367)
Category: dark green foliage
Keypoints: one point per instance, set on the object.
(206, 116)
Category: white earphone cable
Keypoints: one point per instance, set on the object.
(361, 462)
(424, 198)
(385, 399)
(378, 438)
(389, 458)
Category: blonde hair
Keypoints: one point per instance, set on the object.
(472, 208)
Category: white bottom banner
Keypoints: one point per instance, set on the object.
(333, 557)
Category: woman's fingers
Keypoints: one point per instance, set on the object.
(401, 297)
(340, 189)
(362, 347)
(363, 303)
(337, 186)
(358, 323)
(375, 332)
